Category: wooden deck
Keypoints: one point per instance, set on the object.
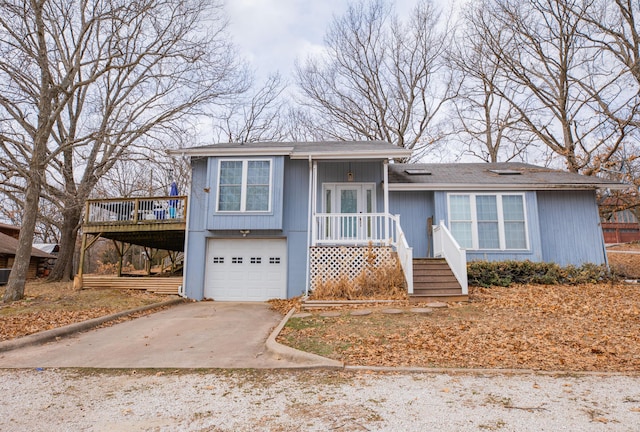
(156, 285)
(156, 222)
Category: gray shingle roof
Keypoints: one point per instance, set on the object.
(478, 176)
(338, 149)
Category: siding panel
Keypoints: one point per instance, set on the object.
(415, 208)
(296, 195)
(570, 230)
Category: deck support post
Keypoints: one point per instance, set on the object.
(77, 280)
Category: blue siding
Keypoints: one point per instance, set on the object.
(196, 235)
(296, 195)
(414, 209)
(291, 188)
(570, 224)
(363, 172)
(297, 261)
(242, 221)
(296, 221)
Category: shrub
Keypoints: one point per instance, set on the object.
(505, 273)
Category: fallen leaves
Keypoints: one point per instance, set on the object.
(585, 327)
(51, 305)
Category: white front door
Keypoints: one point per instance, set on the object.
(351, 200)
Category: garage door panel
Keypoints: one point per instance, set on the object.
(245, 269)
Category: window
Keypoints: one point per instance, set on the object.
(244, 186)
(488, 221)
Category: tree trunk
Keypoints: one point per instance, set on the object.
(69, 234)
(18, 276)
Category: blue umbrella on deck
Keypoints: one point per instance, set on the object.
(173, 204)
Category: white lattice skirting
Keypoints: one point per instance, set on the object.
(334, 262)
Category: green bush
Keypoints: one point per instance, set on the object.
(505, 273)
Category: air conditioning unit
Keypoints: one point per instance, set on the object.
(4, 276)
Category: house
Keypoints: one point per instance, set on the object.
(8, 247)
(268, 220)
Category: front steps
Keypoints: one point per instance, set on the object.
(433, 280)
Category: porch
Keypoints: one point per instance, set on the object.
(342, 242)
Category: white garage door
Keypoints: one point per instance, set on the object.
(246, 269)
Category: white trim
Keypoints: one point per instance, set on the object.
(249, 151)
(352, 154)
(475, 246)
(385, 194)
(446, 187)
(254, 150)
(243, 186)
(311, 227)
(362, 206)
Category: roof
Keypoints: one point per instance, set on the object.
(303, 150)
(489, 176)
(9, 228)
(47, 247)
(9, 245)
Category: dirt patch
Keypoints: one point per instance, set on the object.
(573, 328)
(51, 305)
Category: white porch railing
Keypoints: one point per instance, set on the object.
(445, 246)
(405, 253)
(360, 229)
(136, 210)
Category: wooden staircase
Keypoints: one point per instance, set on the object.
(433, 280)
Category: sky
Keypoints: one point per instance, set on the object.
(271, 34)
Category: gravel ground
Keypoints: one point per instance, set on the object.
(167, 400)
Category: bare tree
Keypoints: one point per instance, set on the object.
(555, 77)
(257, 116)
(83, 81)
(381, 78)
(488, 125)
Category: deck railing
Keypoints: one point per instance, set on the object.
(360, 229)
(445, 246)
(136, 210)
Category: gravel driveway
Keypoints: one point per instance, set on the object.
(312, 400)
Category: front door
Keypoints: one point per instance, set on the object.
(351, 201)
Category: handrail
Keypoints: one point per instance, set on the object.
(445, 246)
(136, 210)
(405, 253)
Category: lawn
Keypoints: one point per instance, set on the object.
(592, 327)
(51, 305)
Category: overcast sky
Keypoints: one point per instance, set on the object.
(271, 34)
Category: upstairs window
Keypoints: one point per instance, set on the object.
(244, 186)
(488, 221)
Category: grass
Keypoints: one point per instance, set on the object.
(50, 305)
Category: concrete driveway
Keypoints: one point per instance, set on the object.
(189, 335)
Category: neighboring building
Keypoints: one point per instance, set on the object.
(9, 245)
(619, 225)
(10, 230)
(266, 220)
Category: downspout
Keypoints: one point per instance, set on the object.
(310, 221)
